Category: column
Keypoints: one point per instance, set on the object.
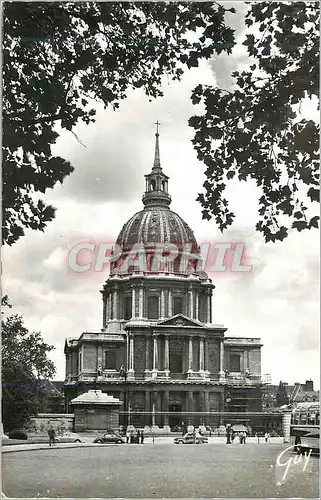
(221, 356)
(209, 304)
(158, 408)
(222, 372)
(153, 408)
(162, 305)
(133, 302)
(166, 355)
(190, 293)
(147, 407)
(108, 306)
(115, 298)
(286, 424)
(131, 357)
(197, 305)
(99, 355)
(201, 363)
(222, 407)
(165, 407)
(147, 354)
(206, 367)
(170, 309)
(104, 311)
(190, 406)
(190, 354)
(155, 356)
(207, 401)
(140, 302)
(67, 366)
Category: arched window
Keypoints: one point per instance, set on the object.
(153, 307)
(163, 186)
(153, 185)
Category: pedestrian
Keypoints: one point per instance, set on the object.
(138, 436)
(266, 437)
(194, 435)
(127, 435)
(228, 434)
(52, 435)
(142, 437)
(258, 437)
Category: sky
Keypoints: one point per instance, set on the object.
(278, 301)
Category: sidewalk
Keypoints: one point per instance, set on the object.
(88, 443)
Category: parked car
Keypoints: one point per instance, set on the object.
(110, 437)
(17, 435)
(310, 441)
(68, 437)
(188, 438)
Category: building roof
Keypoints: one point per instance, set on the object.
(95, 397)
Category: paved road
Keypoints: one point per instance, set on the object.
(160, 470)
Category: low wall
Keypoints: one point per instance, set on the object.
(60, 421)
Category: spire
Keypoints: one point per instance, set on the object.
(156, 192)
(157, 164)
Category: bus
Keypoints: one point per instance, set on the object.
(305, 427)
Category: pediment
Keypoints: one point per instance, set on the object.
(181, 320)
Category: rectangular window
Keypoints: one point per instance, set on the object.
(110, 359)
(175, 362)
(178, 305)
(153, 307)
(128, 307)
(235, 363)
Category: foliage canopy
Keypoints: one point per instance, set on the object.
(255, 131)
(25, 364)
(58, 56)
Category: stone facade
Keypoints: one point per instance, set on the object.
(159, 350)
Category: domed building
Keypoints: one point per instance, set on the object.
(158, 350)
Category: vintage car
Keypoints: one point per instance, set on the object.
(190, 438)
(109, 437)
(309, 441)
(68, 437)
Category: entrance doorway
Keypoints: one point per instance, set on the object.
(175, 416)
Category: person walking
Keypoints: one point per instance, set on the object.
(142, 437)
(52, 435)
(266, 437)
(228, 434)
(138, 436)
(127, 435)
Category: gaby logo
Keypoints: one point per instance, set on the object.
(285, 461)
(159, 257)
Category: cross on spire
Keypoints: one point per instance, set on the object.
(157, 125)
(157, 156)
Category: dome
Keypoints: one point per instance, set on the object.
(156, 225)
